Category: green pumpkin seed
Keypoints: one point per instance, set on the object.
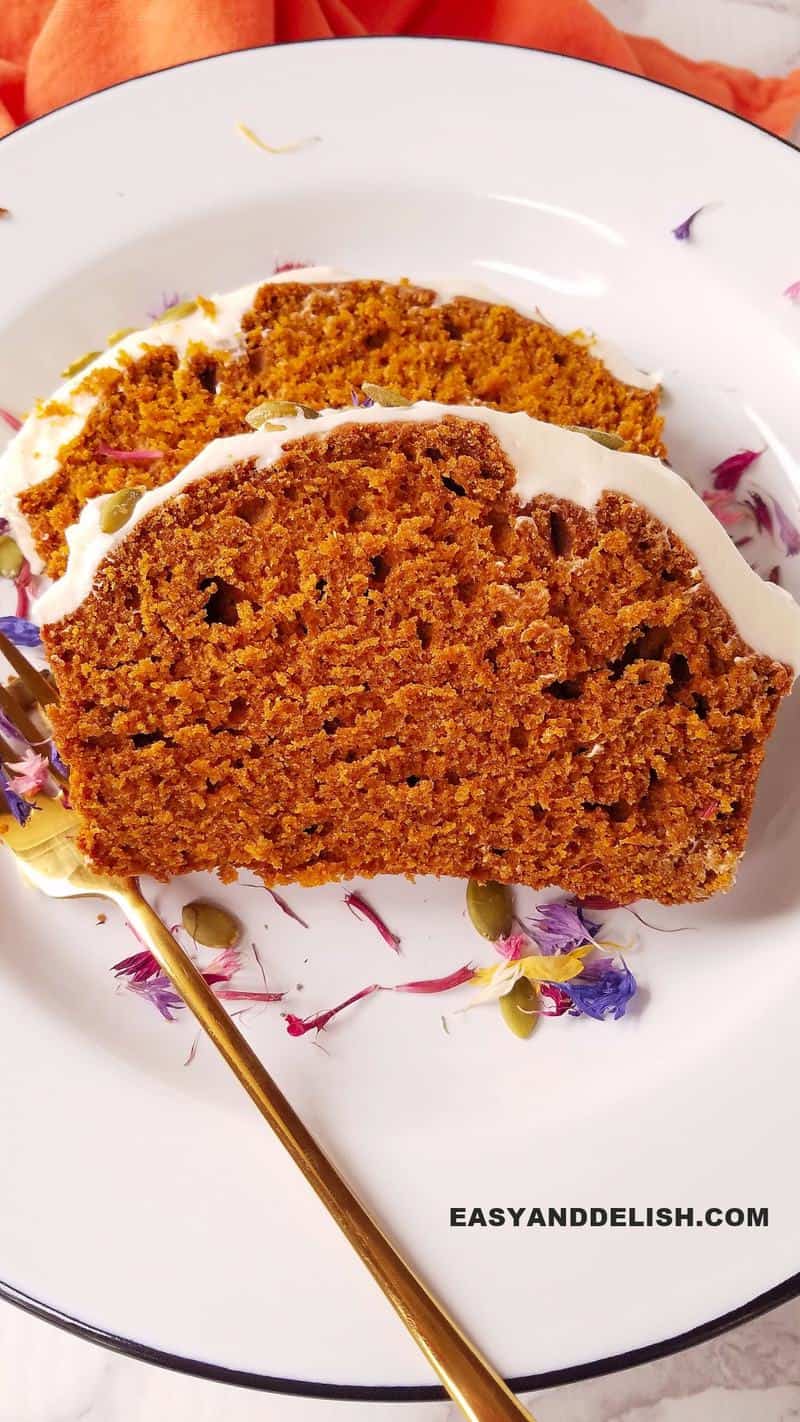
(519, 1008)
(213, 927)
(177, 312)
(117, 509)
(80, 364)
(11, 557)
(384, 394)
(604, 437)
(121, 334)
(489, 907)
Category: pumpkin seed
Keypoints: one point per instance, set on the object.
(177, 312)
(213, 927)
(384, 394)
(121, 334)
(489, 907)
(79, 364)
(519, 1008)
(11, 557)
(117, 509)
(604, 437)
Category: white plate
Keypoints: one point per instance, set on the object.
(143, 1198)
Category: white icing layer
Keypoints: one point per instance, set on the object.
(32, 455)
(548, 460)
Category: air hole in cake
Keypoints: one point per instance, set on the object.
(381, 568)
(207, 376)
(452, 777)
(700, 705)
(501, 530)
(256, 360)
(221, 606)
(498, 619)
(424, 632)
(238, 711)
(538, 812)
(435, 455)
(453, 486)
(146, 738)
(331, 726)
(453, 330)
(618, 812)
(412, 780)
(498, 852)
(679, 668)
(375, 339)
(490, 656)
(355, 515)
(564, 690)
(252, 511)
(559, 358)
(466, 590)
(560, 535)
(519, 738)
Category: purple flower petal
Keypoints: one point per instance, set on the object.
(561, 927)
(19, 631)
(788, 531)
(17, 806)
(683, 231)
(603, 990)
(729, 471)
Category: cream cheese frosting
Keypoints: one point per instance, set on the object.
(32, 456)
(547, 460)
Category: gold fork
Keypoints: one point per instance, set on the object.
(48, 856)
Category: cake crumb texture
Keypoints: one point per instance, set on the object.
(366, 658)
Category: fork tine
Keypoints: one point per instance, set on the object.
(20, 718)
(37, 685)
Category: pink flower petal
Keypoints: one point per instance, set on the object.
(11, 420)
(451, 980)
(788, 531)
(724, 506)
(128, 456)
(298, 1026)
(361, 908)
(286, 908)
(793, 291)
(30, 774)
(729, 471)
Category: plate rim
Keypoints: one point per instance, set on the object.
(753, 1308)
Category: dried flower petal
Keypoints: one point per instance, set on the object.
(360, 400)
(708, 810)
(247, 994)
(286, 908)
(169, 300)
(359, 906)
(128, 456)
(290, 267)
(11, 420)
(726, 507)
(30, 774)
(20, 631)
(139, 967)
(450, 980)
(789, 532)
(253, 138)
(683, 231)
(56, 761)
(23, 584)
(554, 1000)
(561, 927)
(793, 291)
(160, 992)
(729, 471)
(298, 1026)
(761, 511)
(603, 990)
(17, 805)
(511, 947)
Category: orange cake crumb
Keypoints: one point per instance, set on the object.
(316, 344)
(362, 659)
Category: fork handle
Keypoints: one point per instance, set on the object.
(477, 1390)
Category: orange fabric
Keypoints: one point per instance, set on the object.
(52, 51)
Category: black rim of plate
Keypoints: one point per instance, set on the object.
(354, 1392)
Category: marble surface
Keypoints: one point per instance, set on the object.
(750, 1375)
